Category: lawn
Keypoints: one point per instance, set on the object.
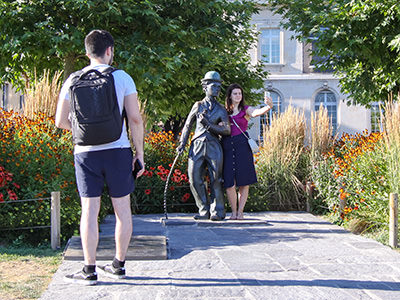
(25, 272)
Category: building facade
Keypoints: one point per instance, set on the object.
(10, 98)
(293, 80)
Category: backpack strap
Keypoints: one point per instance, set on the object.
(110, 70)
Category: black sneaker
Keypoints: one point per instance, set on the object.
(110, 271)
(82, 277)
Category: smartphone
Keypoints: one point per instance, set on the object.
(138, 167)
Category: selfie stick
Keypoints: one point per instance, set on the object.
(166, 184)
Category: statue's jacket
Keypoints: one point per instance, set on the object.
(206, 140)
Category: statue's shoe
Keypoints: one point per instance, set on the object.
(216, 218)
(202, 217)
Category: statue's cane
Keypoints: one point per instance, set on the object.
(166, 184)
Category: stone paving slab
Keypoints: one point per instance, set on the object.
(295, 256)
(141, 247)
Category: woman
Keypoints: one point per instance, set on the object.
(239, 168)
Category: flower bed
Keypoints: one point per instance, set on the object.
(351, 179)
(38, 157)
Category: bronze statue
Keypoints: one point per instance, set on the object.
(205, 151)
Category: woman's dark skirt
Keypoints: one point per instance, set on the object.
(239, 167)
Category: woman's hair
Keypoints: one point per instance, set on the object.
(228, 100)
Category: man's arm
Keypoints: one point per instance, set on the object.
(62, 114)
(136, 126)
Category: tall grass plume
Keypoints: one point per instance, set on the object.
(321, 138)
(391, 122)
(279, 160)
(42, 95)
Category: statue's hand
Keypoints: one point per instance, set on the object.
(204, 120)
(180, 148)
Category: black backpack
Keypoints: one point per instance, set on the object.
(95, 114)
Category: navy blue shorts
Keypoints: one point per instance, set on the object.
(112, 167)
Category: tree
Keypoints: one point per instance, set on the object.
(166, 45)
(359, 41)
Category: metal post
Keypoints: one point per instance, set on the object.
(308, 196)
(393, 220)
(55, 220)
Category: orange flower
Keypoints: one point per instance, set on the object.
(344, 195)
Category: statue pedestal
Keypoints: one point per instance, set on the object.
(187, 220)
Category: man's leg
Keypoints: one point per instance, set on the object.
(90, 228)
(123, 234)
(89, 238)
(123, 226)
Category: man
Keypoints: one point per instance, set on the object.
(205, 150)
(111, 163)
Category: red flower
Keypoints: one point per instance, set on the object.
(1, 197)
(16, 185)
(12, 195)
(171, 188)
(176, 179)
(147, 192)
(185, 197)
(184, 178)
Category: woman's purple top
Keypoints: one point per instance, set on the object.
(240, 120)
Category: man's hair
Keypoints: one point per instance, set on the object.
(97, 42)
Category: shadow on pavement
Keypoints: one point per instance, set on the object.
(226, 282)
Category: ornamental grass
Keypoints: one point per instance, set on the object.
(321, 134)
(279, 163)
(42, 95)
(391, 122)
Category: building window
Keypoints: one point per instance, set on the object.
(277, 108)
(328, 100)
(271, 46)
(377, 111)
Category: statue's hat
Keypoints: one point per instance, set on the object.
(212, 76)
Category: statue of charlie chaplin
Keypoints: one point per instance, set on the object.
(205, 151)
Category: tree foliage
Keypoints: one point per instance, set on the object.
(359, 40)
(165, 45)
